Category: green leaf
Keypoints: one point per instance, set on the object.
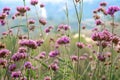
(18, 26)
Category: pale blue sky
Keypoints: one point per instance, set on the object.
(54, 8)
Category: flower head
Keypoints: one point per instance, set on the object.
(47, 78)
(54, 67)
(21, 9)
(3, 62)
(31, 21)
(103, 4)
(80, 45)
(4, 53)
(63, 40)
(34, 2)
(42, 5)
(43, 21)
(54, 53)
(12, 67)
(16, 74)
(112, 10)
(28, 65)
(29, 43)
(18, 56)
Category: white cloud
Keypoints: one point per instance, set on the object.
(43, 13)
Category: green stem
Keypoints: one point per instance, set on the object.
(79, 18)
(27, 21)
(112, 51)
(85, 71)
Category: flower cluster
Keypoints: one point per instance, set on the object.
(6, 10)
(47, 78)
(63, 27)
(39, 42)
(42, 5)
(112, 10)
(63, 40)
(80, 45)
(3, 62)
(103, 38)
(2, 19)
(41, 55)
(22, 10)
(34, 2)
(28, 65)
(29, 43)
(16, 74)
(48, 29)
(22, 49)
(18, 56)
(103, 4)
(4, 53)
(43, 21)
(54, 66)
(54, 53)
(31, 21)
(98, 22)
(105, 35)
(12, 67)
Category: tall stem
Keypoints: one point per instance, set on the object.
(112, 51)
(27, 20)
(79, 18)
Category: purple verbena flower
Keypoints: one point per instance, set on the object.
(54, 67)
(31, 21)
(3, 62)
(74, 58)
(54, 53)
(42, 5)
(29, 43)
(47, 78)
(63, 40)
(4, 53)
(99, 22)
(12, 67)
(18, 56)
(21, 9)
(16, 74)
(39, 42)
(103, 4)
(42, 55)
(28, 65)
(112, 10)
(43, 21)
(22, 49)
(80, 45)
(101, 57)
(34, 2)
